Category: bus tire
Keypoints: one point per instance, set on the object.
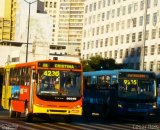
(28, 116)
(12, 113)
(18, 114)
(68, 119)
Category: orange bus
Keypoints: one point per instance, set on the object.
(43, 88)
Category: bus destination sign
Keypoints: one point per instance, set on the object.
(59, 65)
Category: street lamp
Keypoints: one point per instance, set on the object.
(29, 3)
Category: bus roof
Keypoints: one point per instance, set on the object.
(112, 72)
(35, 62)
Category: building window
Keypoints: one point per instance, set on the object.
(124, 10)
(145, 50)
(122, 39)
(133, 37)
(123, 24)
(113, 13)
(126, 53)
(117, 26)
(135, 7)
(134, 22)
(105, 54)
(129, 8)
(98, 17)
(101, 43)
(112, 27)
(137, 66)
(155, 18)
(144, 66)
(86, 9)
(99, 4)
(132, 52)
(151, 66)
(110, 54)
(102, 29)
(116, 40)
(152, 49)
(147, 34)
(138, 51)
(97, 30)
(108, 14)
(104, 3)
(158, 66)
(106, 42)
(46, 4)
(158, 49)
(107, 28)
(94, 6)
(115, 54)
(148, 4)
(155, 2)
(140, 20)
(153, 33)
(96, 43)
(111, 41)
(83, 45)
(128, 23)
(93, 30)
(159, 33)
(147, 19)
(140, 36)
(127, 38)
(121, 54)
(118, 12)
(90, 7)
(103, 16)
(142, 5)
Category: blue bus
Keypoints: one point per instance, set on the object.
(120, 92)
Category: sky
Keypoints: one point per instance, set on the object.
(1, 8)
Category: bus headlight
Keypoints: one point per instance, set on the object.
(154, 105)
(120, 105)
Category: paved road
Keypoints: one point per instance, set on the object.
(78, 123)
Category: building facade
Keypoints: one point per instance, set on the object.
(125, 30)
(67, 20)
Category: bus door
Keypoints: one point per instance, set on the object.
(158, 96)
(6, 92)
(32, 83)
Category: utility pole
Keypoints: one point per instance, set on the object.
(142, 58)
(29, 4)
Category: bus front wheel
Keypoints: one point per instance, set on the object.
(28, 116)
(12, 113)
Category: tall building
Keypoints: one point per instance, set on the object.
(67, 23)
(7, 23)
(125, 30)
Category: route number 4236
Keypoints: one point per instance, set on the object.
(51, 73)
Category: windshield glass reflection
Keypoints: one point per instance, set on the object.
(137, 89)
(56, 83)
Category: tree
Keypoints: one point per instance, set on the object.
(95, 63)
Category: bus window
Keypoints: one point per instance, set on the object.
(103, 82)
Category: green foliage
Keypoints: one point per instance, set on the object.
(95, 63)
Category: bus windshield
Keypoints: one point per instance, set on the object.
(137, 88)
(59, 83)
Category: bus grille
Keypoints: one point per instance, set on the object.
(57, 111)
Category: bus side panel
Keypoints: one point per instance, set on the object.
(18, 105)
(6, 95)
(20, 94)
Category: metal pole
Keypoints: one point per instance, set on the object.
(142, 59)
(28, 33)
(29, 4)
